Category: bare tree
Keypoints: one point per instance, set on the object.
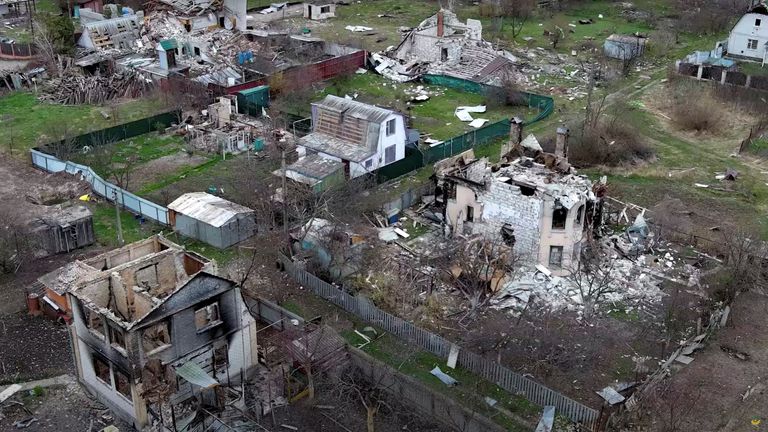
(16, 242)
(371, 394)
(517, 12)
(475, 267)
(593, 276)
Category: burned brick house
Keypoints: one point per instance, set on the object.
(153, 337)
(537, 205)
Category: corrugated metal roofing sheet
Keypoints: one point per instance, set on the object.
(336, 147)
(207, 208)
(353, 108)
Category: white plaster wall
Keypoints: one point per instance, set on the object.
(745, 29)
(237, 8)
(242, 350)
(398, 139)
(457, 208)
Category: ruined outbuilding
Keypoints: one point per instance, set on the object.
(319, 9)
(536, 205)
(442, 44)
(155, 336)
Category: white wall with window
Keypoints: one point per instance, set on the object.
(749, 36)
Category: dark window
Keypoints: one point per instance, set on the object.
(757, 22)
(325, 9)
(116, 337)
(508, 235)
(752, 44)
(526, 190)
(390, 154)
(220, 357)
(555, 256)
(122, 384)
(391, 127)
(369, 163)
(444, 54)
(470, 214)
(101, 369)
(580, 215)
(197, 51)
(207, 317)
(559, 216)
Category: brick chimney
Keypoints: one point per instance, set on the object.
(515, 136)
(561, 145)
(440, 23)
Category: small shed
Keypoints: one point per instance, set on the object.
(211, 219)
(166, 53)
(319, 10)
(64, 229)
(251, 101)
(624, 47)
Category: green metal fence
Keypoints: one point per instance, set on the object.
(413, 160)
(117, 133)
(467, 141)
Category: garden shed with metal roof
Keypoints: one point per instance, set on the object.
(211, 219)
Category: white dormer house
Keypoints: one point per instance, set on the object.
(350, 137)
(749, 38)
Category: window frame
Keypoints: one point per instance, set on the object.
(97, 358)
(210, 323)
(750, 43)
(393, 147)
(758, 21)
(552, 264)
(558, 226)
(393, 124)
(115, 372)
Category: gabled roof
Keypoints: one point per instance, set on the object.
(354, 109)
(207, 208)
(168, 44)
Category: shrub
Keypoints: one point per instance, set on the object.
(610, 143)
(696, 110)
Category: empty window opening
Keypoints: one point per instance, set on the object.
(391, 127)
(757, 22)
(580, 215)
(197, 51)
(752, 44)
(156, 337)
(101, 369)
(508, 235)
(207, 317)
(122, 384)
(369, 163)
(116, 337)
(94, 322)
(470, 214)
(220, 357)
(325, 9)
(526, 190)
(559, 216)
(555, 256)
(444, 54)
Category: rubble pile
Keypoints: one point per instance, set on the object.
(72, 88)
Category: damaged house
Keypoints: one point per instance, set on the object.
(50, 291)
(749, 37)
(442, 44)
(349, 139)
(121, 33)
(531, 204)
(155, 336)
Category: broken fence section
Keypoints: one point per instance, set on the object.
(101, 187)
(492, 371)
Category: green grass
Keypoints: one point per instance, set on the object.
(253, 4)
(293, 307)
(435, 116)
(750, 68)
(105, 225)
(140, 149)
(221, 256)
(415, 230)
(469, 392)
(26, 122)
(182, 173)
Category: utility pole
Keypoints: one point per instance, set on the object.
(120, 241)
(285, 193)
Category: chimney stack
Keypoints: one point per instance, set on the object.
(440, 23)
(515, 136)
(561, 145)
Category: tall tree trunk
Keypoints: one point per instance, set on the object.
(371, 412)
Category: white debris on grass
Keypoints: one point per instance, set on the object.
(463, 112)
(478, 123)
(358, 29)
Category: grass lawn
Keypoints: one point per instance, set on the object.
(253, 4)
(105, 225)
(26, 122)
(750, 68)
(470, 391)
(435, 116)
(399, 13)
(141, 149)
